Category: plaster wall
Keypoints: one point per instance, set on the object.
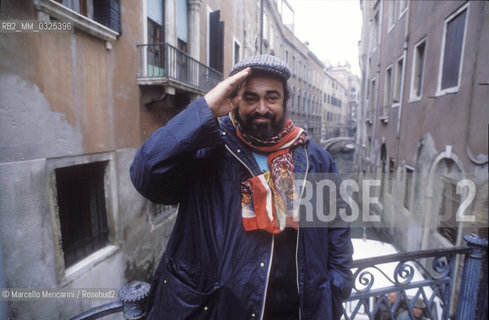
(75, 79)
(65, 100)
(30, 245)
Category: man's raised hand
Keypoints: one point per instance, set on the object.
(218, 98)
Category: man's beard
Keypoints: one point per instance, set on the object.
(261, 130)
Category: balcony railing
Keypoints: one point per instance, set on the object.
(161, 63)
(414, 283)
(433, 289)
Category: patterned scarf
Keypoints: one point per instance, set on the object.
(269, 201)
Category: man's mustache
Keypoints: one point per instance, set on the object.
(255, 116)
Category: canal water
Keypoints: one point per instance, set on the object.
(343, 154)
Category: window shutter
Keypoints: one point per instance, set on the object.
(108, 13)
(155, 11)
(216, 41)
(182, 20)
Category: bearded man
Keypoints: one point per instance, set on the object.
(238, 249)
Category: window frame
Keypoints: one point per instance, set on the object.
(65, 274)
(439, 90)
(391, 15)
(442, 222)
(371, 103)
(401, 81)
(84, 186)
(413, 97)
(81, 22)
(408, 190)
(236, 42)
(387, 94)
(374, 31)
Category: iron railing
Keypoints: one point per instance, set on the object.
(433, 290)
(163, 62)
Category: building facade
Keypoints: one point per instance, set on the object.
(336, 105)
(76, 106)
(424, 118)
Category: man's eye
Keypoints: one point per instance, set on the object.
(273, 98)
(249, 99)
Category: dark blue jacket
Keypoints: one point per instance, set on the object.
(212, 268)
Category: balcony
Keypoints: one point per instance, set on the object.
(163, 64)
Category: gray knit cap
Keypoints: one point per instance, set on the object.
(265, 63)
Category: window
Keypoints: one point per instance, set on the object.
(79, 6)
(387, 90)
(216, 41)
(236, 49)
(182, 25)
(292, 98)
(293, 65)
(82, 210)
(391, 15)
(155, 61)
(392, 175)
(369, 143)
(453, 44)
(418, 66)
(398, 81)
(105, 12)
(272, 37)
(384, 174)
(374, 30)
(408, 186)
(450, 202)
(371, 106)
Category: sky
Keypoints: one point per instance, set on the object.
(332, 28)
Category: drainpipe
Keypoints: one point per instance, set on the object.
(483, 159)
(3, 284)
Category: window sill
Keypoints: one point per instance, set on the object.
(443, 92)
(414, 99)
(80, 268)
(81, 22)
(384, 119)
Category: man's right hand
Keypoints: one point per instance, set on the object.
(218, 98)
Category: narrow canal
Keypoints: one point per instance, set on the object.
(343, 153)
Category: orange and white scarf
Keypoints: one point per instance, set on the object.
(269, 201)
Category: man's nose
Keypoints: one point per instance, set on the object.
(261, 108)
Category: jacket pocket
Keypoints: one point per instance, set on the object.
(175, 300)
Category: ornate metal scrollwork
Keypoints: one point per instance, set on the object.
(366, 279)
(441, 266)
(405, 272)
